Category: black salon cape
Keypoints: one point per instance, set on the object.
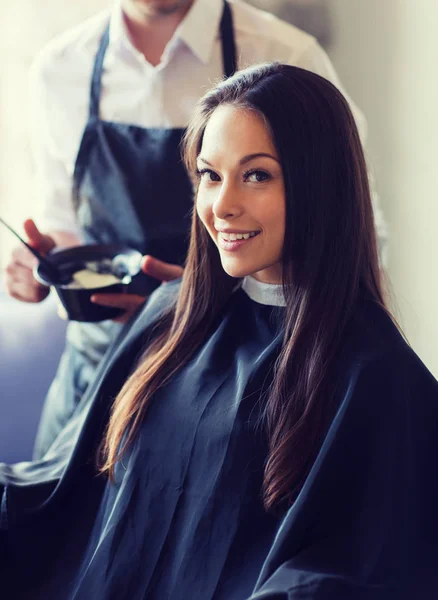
(184, 518)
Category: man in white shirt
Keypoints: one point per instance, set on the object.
(116, 144)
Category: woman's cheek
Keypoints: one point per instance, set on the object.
(200, 206)
(204, 207)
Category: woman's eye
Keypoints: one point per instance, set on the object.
(208, 174)
(256, 176)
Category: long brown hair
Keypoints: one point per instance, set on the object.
(329, 263)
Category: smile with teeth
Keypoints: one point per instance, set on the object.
(232, 237)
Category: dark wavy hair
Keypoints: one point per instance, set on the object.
(330, 263)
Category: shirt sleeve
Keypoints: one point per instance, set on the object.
(315, 59)
(52, 207)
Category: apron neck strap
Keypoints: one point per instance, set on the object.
(228, 58)
(228, 41)
(96, 79)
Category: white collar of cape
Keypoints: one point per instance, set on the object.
(269, 294)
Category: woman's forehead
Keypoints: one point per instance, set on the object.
(233, 131)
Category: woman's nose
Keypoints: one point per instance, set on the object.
(227, 204)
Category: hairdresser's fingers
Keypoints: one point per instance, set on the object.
(41, 241)
(160, 269)
(125, 301)
(18, 272)
(21, 256)
(130, 303)
(22, 293)
(21, 285)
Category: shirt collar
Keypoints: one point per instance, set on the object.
(198, 30)
(117, 28)
(200, 27)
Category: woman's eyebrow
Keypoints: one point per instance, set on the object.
(250, 157)
(245, 159)
(204, 160)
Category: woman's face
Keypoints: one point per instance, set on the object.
(241, 197)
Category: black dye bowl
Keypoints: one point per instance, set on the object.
(76, 301)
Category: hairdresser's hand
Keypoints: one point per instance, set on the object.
(19, 279)
(131, 303)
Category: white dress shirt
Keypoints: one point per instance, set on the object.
(135, 92)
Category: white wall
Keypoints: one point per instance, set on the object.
(27, 26)
(386, 52)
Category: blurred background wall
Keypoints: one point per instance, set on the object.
(26, 27)
(386, 53)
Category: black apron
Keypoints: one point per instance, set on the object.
(130, 187)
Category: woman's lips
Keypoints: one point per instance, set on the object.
(234, 245)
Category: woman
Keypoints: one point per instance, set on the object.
(277, 437)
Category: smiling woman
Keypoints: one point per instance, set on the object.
(240, 195)
(277, 437)
(319, 179)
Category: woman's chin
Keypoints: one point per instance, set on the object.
(237, 271)
(264, 272)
